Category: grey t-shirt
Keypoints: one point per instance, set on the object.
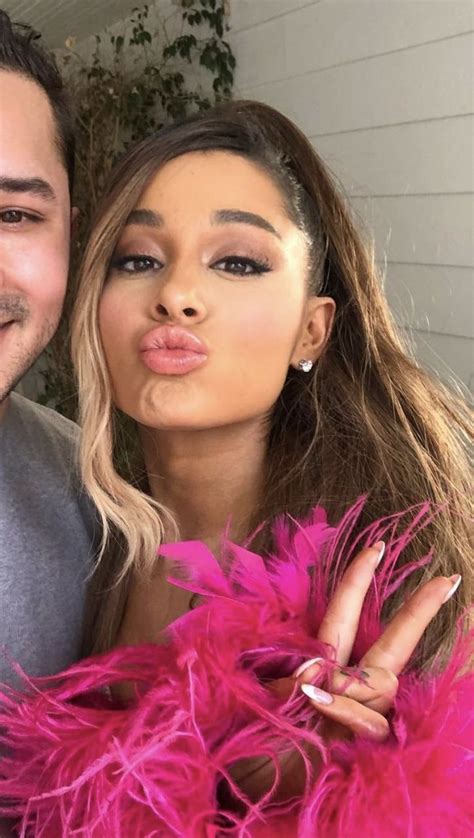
(46, 540)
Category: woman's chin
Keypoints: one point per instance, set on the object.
(172, 421)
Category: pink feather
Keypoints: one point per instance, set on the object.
(78, 764)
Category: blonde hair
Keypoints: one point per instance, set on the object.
(368, 421)
(122, 506)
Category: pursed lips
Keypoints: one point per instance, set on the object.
(172, 350)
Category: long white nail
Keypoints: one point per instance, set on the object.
(306, 665)
(381, 545)
(316, 694)
(454, 587)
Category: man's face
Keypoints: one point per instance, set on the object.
(34, 227)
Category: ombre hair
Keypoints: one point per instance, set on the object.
(367, 421)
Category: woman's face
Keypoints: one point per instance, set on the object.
(205, 304)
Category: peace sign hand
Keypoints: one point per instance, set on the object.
(358, 706)
(350, 706)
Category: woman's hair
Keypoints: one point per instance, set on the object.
(367, 420)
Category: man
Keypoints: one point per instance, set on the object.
(46, 527)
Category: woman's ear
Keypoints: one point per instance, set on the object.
(315, 331)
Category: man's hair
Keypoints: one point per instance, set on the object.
(21, 53)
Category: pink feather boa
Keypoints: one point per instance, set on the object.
(79, 765)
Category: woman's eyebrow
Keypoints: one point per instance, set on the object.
(232, 216)
(150, 218)
(145, 217)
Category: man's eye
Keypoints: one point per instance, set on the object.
(135, 264)
(15, 216)
(242, 266)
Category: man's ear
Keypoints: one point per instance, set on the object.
(316, 329)
(75, 213)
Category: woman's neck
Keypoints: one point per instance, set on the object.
(210, 480)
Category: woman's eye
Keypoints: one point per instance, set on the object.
(16, 216)
(136, 264)
(242, 266)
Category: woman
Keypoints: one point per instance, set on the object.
(229, 310)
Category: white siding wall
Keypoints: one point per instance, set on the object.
(384, 90)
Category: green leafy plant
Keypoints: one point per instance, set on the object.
(131, 84)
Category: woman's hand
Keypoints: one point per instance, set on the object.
(350, 706)
(357, 706)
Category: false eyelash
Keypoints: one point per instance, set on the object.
(259, 266)
(118, 262)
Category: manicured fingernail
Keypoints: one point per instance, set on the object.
(456, 580)
(316, 694)
(306, 665)
(380, 546)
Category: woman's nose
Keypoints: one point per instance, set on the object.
(187, 313)
(179, 300)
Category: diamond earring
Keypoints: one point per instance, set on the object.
(305, 365)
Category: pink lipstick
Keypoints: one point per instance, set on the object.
(172, 350)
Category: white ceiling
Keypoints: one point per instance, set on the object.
(56, 19)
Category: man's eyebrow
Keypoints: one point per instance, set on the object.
(146, 217)
(33, 186)
(232, 216)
